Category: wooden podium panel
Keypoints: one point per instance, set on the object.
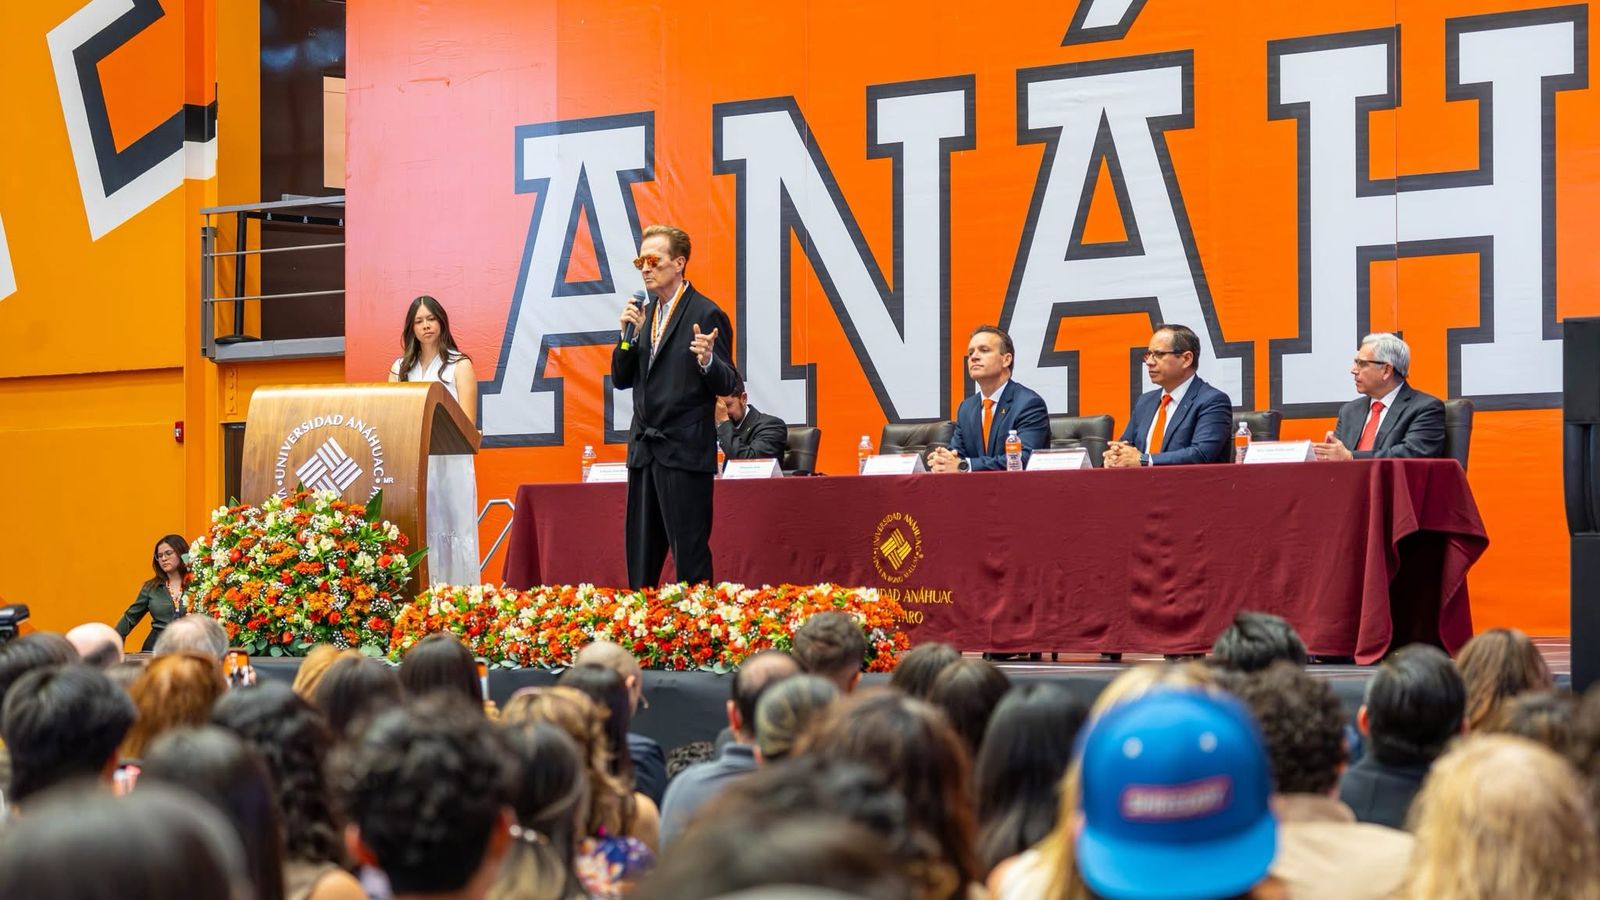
(355, 439)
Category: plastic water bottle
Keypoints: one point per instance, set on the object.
(1013, 452)
(722, 458)
(588, 460)
(863, 450)
(1241, 442)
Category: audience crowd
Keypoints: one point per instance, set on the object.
(1240, 775)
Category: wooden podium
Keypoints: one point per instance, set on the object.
(356, 439)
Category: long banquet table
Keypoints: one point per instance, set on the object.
(1358, 556)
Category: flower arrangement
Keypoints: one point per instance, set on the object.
(300, 570)
(683, 627)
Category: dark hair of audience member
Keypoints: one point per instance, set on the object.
(608, 689)
(722, 858)
(1497, 665)
(62, 723)
(173, 691)
(551, 800)
(685, 755)
(1548, 717)
(22, 655)
(787, 710)
(294, 742)
(911, 742)
(1302, 723)
(1415, 705)
(125, 673)
(1502, 816)
(440, 662)
(918, 667)
(85, 844)
(830, 644)
(1256, 640)
(968, 691)
(353, 689)
(219, 767)
(427, 786)
(611, 802)
(1017, 775)
(806, 786)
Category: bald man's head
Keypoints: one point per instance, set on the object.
(98, 644)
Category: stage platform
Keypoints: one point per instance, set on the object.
(689, 706)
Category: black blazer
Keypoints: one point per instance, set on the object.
(1020, 408)
(759, 436)
(674, 403)
(1412, 427)
(1380, 793)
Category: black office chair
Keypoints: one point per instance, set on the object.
(800, 450)
(916, 437)
(1458, 430)
(1265, 424)
(1090, 432)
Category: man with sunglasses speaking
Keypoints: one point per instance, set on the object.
(1185, 420)
(676, 354)
(1392, 419)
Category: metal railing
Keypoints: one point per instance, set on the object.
(483, 514)
(209, 254)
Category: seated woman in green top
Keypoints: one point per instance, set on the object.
(161, 596)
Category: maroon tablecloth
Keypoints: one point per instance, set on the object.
(1359, 556)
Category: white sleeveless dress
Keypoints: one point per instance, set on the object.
(452, 498)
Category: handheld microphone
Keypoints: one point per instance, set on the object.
(631, 331)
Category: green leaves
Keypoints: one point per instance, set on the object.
(375, 508)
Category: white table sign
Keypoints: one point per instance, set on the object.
(1053, 460)
(1278, 452)
(607, 473)
(894, 464)
(752, 468)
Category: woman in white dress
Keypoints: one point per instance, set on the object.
(431, 354)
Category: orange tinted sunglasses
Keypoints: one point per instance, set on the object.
(648, 261)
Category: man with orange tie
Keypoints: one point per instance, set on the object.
(1185, 420)
(1391, 419)
(1000, 407)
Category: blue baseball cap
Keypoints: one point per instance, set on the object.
(1175, 798)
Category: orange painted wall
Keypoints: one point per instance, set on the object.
(437, 92)
(103, 333)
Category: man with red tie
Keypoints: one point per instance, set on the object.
(1185, 420)
(1392, 419)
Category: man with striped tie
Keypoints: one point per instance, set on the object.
(1184, 420)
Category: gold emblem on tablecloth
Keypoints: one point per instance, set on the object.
(896, 547)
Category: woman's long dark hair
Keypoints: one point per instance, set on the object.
(608, 689)
(294, 741)
(1018, 773)
(220, 767)
(448, 351)
(179, 546)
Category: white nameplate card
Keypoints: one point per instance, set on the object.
(1053, 460)
(1278, 452)
(607, 473)
(752, 468)
(894, 464)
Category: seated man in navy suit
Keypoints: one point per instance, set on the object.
(1392, 419)
(1000, 407)
(1185, 420)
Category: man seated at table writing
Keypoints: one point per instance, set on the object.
(1000, 406)
(744, 431)
(1185, 420)
(1391, 419)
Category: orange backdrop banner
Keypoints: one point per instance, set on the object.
(867, 182)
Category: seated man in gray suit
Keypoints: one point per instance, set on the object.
(1392, 419)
